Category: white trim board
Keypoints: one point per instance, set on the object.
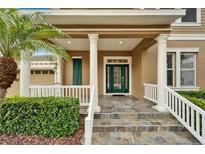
(186, 37)
(183, 49)
(129, 58)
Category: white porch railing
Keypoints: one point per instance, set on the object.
(80, 92)
(89, 120)
(190, 115)
(150, 92)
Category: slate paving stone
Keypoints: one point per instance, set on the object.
(126, 120)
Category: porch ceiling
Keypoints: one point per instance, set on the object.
(108, 44)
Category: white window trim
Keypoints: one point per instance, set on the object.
(178, 52)
(129, 59)
(76, 57)
(178, 22)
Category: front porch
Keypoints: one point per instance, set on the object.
(135, 54)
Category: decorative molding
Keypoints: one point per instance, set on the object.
(186, 37)
(76, 57)
(93, 36)
(183, 49)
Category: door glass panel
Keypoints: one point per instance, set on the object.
(108, 77)
(117, 73)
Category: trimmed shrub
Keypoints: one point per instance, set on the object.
(47, 117)
(197, 94)
(196, 97)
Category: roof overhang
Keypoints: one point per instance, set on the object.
(111, 16)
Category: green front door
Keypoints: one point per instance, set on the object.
(117, 78)
(77, 72)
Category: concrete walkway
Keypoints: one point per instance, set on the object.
(125, 120)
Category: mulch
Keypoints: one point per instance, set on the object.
(36, 140)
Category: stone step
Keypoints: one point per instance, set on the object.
(138, 115)
(144, 138)
(141, 122)
(138, 128)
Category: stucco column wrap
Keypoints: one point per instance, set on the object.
(94, 67)
(161, 72)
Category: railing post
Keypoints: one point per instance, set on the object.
(88, 135)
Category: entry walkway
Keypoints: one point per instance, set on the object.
(126, 120)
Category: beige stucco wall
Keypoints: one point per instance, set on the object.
(137, 73)
(35, 79)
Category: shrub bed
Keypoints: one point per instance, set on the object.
(47, 117)
(196, 97)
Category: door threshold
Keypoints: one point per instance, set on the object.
(118, 95)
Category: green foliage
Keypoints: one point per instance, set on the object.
(48, 117)
(27, 32)
(196, 97)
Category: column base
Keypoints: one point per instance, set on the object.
(97, 109)
(160, 108)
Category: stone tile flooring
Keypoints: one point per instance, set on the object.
(124, 104)
(126, 120)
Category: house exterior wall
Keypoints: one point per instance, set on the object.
(137, 84)
(35, 79)
(149, 62)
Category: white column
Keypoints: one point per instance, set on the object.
(58, 77)
(161, 72)
(25, 73)
(94, 67)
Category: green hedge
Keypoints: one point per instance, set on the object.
(196, 97)
(197, 94)
(48, 117)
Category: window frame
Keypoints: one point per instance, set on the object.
(177, 66)
(179, 22)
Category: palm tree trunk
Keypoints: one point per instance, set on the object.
(2, 94)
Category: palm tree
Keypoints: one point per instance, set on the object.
(25, 32)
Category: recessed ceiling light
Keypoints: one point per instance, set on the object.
(120, 42)
(69, 42)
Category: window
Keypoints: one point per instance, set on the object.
(170, 69)
(192, 18)
(77, 71)
(190, 15)
(187, 69)
(45, 72)
(181, 67)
